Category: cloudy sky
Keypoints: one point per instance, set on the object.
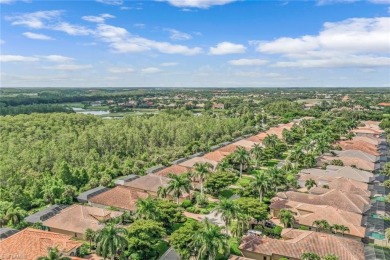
(195, 43)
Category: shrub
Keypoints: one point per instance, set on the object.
(303, 228)
(186, 203)
(277, 230)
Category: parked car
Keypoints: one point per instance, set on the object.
(269, 224)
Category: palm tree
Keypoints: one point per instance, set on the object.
(277, 177)
(178, 185)
(310, 183)
(15, 215)
(110, 240)
(257, 153)
(343, 229)
(209, 241)
(286, 217)
(90, 235)
(310, 256)
(271, 141)
(146, 209)
(336, 228)
(322, 225)
(201, 171)
(53, 254)
(228, 210)
(225, 166)
(261, 183)
(162, 192)
(241, 156)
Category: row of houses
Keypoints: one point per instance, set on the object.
(61, 223)
(350, 195)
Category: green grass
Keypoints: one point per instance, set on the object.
(162, 247)
(271, 163)
(244, 181)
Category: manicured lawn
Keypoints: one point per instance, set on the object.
(162, 247)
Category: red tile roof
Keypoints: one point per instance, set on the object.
(78, 218)
(215, 156)
(335, 198)
(306, 214)
(359, 145)
(29, 244)
(174, 169)
(297, 242)
(119, 197)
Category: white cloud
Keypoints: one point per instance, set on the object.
(151, 70)
(350, 43)
(328, 2)
(13, 1)
(57, 58)
(178, 35)
(97, 19)
(247, 62)
(120, 70)
(72, 29)
(47, 20)
(110, 2)
(36, 20)
(120, 40)
(169, 64)
(37, 36)
(227, 48)
(69, 67)
(17, 58)
(203, 4)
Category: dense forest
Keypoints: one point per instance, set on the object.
(47, 158)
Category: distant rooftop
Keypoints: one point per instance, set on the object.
(85, 196)
(45, 214)
(6, 232)
(122, 180)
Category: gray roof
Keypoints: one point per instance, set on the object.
(215, 147)
(170, 254)
(122, 180)
(238, 139)
(179, 161)
(342, 171)
(83, 197)
(196, 155)
(357, 154)
(224, 144)
(7, 232)
(155, 169)
(45, 214)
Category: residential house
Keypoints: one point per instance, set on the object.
(119, 197)
(306, 214)
(173, 169)
(29, 244)
(355, 158)
(189, 164)
(245, 143)
(296, 242)
(376, 150)
(76, 219)
(335, 198)
(342, 171)
(337, 183)
(218, 106)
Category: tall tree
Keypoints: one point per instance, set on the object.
(228, 211)
(261, 183)
(256, 152)
(90, 236)
(201, 171)
(178, 185)
(209, 242)
(286, 217)
(146, 209)
(111, 241)
(241, 156)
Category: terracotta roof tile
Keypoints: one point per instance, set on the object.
(335, 198)
(78, 218)
(29, 244)
(191, 162)
(359, 145)
(294, 245)
(119, 197)
(148, 183)
(174, 169)
(306, 214)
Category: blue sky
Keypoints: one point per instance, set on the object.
(195, 43)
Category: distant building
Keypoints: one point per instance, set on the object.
(218, 106)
